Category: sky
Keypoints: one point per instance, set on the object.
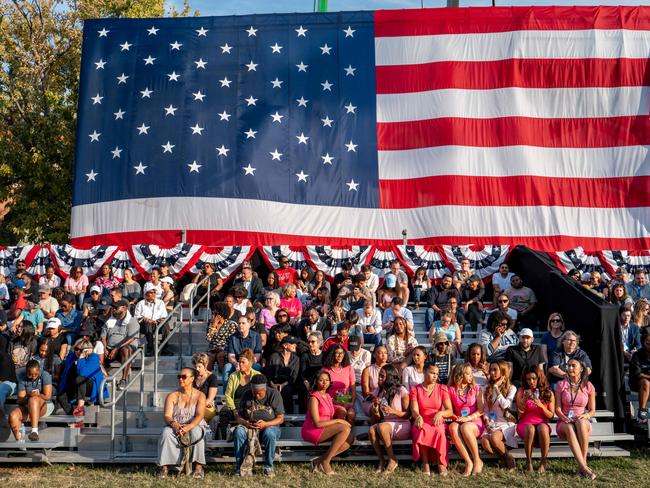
(238, 7)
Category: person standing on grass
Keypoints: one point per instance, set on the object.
(321, 425)
(575, 406)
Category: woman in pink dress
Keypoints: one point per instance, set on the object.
(575, 406)
(343, 389)
(467, 426)
(535, 404)
(370, 377)
(389, 416)
(291, 302)
(321, 426)
(430, 406)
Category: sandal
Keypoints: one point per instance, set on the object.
(162, 473)
(198, 474)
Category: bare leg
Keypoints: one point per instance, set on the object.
(529, 440)
(544, 445)
(644, 393)
(36, 408)
(582, 431)
(16, 420)
(385, 432)
(374, 440)
(457, 439)
(568, 431)
(341, 438)
(469, 431)
(424, 452)
(486, 444)
(125, 354)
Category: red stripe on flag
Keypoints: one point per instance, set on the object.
(514, 191)
(512, 131)
(472, 20)
(523, 73)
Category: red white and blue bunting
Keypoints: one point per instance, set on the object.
(180, 258)
(296, 255)
(427, 257)
(9, 256)
(331, 260)
(626, 260)
(577, 258)
(90, 260)
(485, 261)
(225, 260)
(120, 262)
(379, 261)
(37, 265)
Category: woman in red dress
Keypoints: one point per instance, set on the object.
(430, 406)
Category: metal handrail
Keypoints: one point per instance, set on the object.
(194, 304)
(116, 395)
(158, 347)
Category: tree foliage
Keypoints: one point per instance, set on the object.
(40, 54)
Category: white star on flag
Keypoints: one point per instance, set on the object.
(202, 32)
(126, 46)
(325, 49)
(301, 32)
(327, 85)
(225, 82)
(350, 108)
(94, 137)
(143, 129)
(223, 150)
(277, 83)
(251, 31)
(173, 76)
(302, 138)
(116, 152)
(250, 133)
(224, 116)
(277, 117)
(276, 155)
(103, 32)
(250, 101)
(139, 169)
(100, 64)
(225, 49)
(175, 46)
(302, 102)
(146, 93)
(148, 60)
(122, 79)
(171, 110)
(251, 66)
(352, 186)
(196, 129)
(119, 114)
(200, 64)
(349, 71)
(194, 167)
(327, 159)
(91, 176)
(97, 99)
(302, 67)
(153, 31)
(168, 147)
(249, 170)
(198, 96)
(349, 32)
(351, 146)
(275, 48)
(327, 122)
(302, 176)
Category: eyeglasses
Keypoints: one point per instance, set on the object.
(282, 316)
(269, 298)
(503, 324)
(183, 376)
(284, 262)
(556, 320)
(503, 301)
(76, 349)
(570, 340)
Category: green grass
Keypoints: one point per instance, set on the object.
(630, 472)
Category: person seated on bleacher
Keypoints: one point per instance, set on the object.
(322, 302)
(341, 338)
(76, 284)
(523, 300)
(498, 399)
(639, 287)
(475, 356)
(150, 312)
(356, 299)
(183, 414)
(278, 332)
(70, 318)
(168, 295)
(400, 344)
(34, 398)
(48, 361)
(244, 338)
(119, 336)
(370, 323)
(337, 311)
(34, 315)
(219, 330)
(554, 330)
(457, 315)
(343, 390)
(321, 424)
(360, 358)
(56, 341)
(80, 380)
(568, 348)
(283, 369)
(630, 332)
(462, 276)
(467, 426)
(311, 362)
(499, 336)
(430, 406)
(525, 355)
(311, 322)
(389, 417)
(8, 380)
(207, 383)
(472, 299)
(421, 284)
(639, 376)
(597, 285)
(450, 329)
(318, 280)
(438, 299)
(441, 356)
(413, 375)
(503, 306)
(575, 405)
(271, 306)
(105, 280)
(396, 282)
(131, 289)
(22, 344)
(91, 304)
(260, 413)
(536, 406)
(47, 303)
(291, 302)
(501, 279)
(238, 383)
(342, 278)
(641, 313)
(370, 376)
(397, 309)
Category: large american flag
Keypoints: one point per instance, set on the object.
(484, 125)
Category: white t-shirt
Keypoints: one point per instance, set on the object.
(504, 283)
(99, 348)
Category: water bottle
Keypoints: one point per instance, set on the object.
(22, 435)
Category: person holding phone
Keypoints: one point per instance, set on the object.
(34, 399)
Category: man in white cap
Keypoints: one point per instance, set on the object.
(524, 355)
(91, 304)
(49, 305)
(56, 340)
(149, 312)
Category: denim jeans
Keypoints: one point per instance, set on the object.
(429, 317)
(374, 339)
(7, 388)
(268, 438)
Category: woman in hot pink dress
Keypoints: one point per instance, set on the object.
(343, 389)
(467, 426)
(575, 406)
(535, 404)
(291, 302)
(320, 424)
(430, 406)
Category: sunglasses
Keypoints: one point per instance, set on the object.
(282, 315)
(183, 376)
(76, 349)
(284, 262)
(503, 301)
(503, 324)
(556, 320)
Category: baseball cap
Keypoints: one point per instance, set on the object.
(354, 343)
(148, 286)
(120, 303)
(390, 280)
(526, 332)
(167, 279)
(44, 288)
(289, 340)
(19, 284)
(53, 323)
(95, 289)
(439, 338)
(104, 304)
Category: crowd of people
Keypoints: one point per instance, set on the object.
(338, 351)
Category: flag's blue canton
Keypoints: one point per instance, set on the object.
(271, 107)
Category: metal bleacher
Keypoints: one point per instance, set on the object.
(127, 427)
